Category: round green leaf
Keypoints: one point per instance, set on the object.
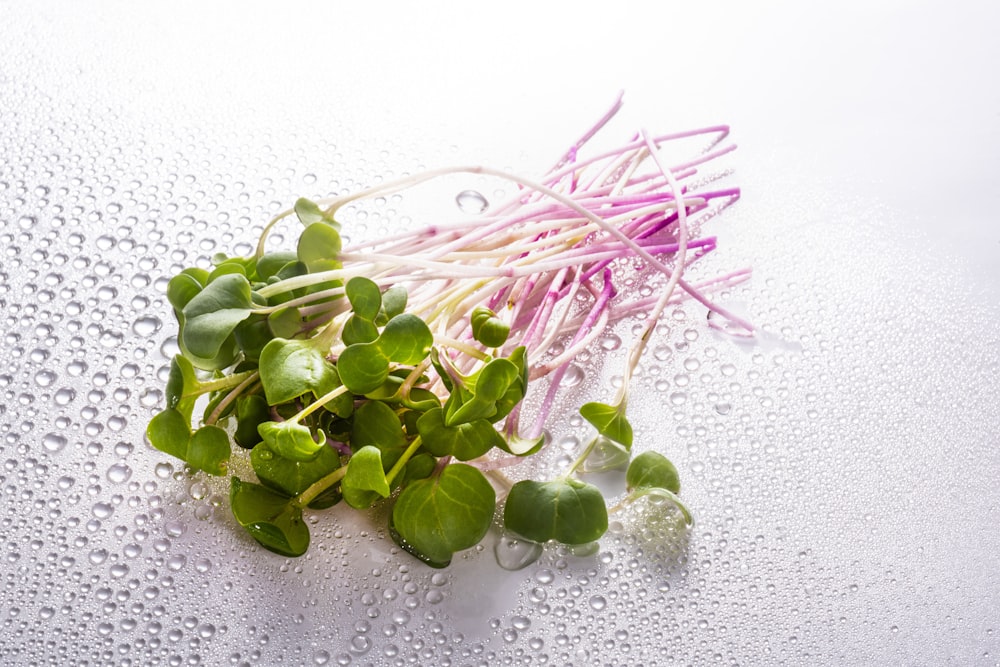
(365, 297)
(270, 518)
(362, 367)
(406, 339)
(487, 328)
(566, 510)
(652, 470)
(209, 450)
(440, 515)
(292, 440)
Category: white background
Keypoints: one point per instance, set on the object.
(848, 510)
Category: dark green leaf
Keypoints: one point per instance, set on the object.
(358, 330)
(272, 262)
(290, 476)
(365, 297)
(565, 510)
(270, 518)
(610, 421)
(440, 515)
(212, 315)
(285, 322)
(393, 303)
(292, 440)
(652, 470)
(406, 339)
(251, 411)
(463, 441)
(170, 431)
(365, 480)
(209, 450)
(363, 367)
(290, 368)
(487, 328)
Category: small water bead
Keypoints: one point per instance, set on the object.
(54, 442)
(574, 375)
(45, 378)
(610, 342)
(146, 326)
(119, 473)
(471, 201)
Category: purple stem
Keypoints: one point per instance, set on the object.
(607, 293)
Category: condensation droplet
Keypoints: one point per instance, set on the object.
(119, 473)
(53, 442)
(471, 201)
(146, 326)
(514, 554)
(574, 375)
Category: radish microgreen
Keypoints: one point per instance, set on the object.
(394, 370)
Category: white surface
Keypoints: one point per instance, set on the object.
(847, 503)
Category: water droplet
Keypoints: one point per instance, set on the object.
(146, 326)
(119, 473)
(573, 376)
(723, 408)
(598, 603)
(102, 510)
(470, 201)
(174, 528)
(98, 556)
(53, 442)
(611, 342)
(514, 554)
(45, 378)
(64, 396)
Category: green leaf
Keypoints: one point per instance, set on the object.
(170, 431)
(292, 440)
(463, 441)
(487, 328)
(393, 303)
(212, 315)
(406, 339)
(209, 450)
(272, 262)
(290, 368)
(365, 480)
(376, 424)
(270, 517)
(519, 446)
(565, 510)
(652, 470)
(610, 421)
(308, 213)
(358, 330)
(183, 287)
(363, 367)
(206, 449)
(252, 334)
(251, 411)
(285, 322)
(420, 466)
(365, 297)
(440, 515)
(182, 385)
(290, 476)
(318, 247)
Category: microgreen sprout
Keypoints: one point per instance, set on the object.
(394, 370)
